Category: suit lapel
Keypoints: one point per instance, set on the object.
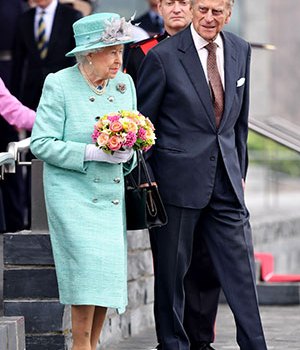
(230, 66)
(192, 65)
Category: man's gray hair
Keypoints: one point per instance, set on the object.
(229, 3)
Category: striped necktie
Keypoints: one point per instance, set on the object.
(215, 82)
(42, 43)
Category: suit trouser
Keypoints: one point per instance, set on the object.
(224, 225)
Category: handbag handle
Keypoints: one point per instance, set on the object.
(142, 162)
(141, 165)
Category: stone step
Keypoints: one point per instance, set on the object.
(12, 333)
(275, 293)
(29, 282)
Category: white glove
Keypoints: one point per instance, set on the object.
(92, 153)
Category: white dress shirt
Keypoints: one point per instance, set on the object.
(200, 44)
(49, 13)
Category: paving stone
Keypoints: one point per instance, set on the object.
(281, 325)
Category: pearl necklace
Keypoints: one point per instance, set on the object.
(99, 89)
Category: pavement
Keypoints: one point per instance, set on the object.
(281, 326)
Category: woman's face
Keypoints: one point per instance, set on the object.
(107, 62)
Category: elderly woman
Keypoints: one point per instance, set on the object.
(84, 186)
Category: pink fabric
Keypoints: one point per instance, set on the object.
(13, 111)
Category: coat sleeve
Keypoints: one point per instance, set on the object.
(241, 127)
(13, 111)
(47, 139)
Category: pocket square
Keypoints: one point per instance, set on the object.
(240, 82)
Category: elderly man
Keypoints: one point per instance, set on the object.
(177, 15)
(195, 88)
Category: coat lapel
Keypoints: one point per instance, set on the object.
(230, 66)
(192, 65)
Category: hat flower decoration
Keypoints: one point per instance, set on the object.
(116, 30)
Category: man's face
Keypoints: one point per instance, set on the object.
(176, 14)
(210, 16)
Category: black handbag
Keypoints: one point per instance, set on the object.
(144, 207)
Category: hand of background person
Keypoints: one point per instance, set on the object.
(92, 153)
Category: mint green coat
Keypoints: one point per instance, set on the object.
(84, 200)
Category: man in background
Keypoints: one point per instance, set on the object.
(30, 64)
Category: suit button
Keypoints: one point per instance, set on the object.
(96, 179)
(212, 158)
(115, 202)
(95, 200)
(117, 180)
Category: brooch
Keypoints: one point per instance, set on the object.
(121, 87)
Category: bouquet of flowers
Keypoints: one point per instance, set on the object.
(124, 129)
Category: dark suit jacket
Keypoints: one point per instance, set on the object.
(172, 91)
(29, 71)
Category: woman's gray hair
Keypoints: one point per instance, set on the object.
(81, 56)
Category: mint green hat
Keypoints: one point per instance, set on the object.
(100, 30)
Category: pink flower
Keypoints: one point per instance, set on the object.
(130, 139)
(102, 139)
(113, 118)
(114, 143)
(115, 126)
(142, 134)
(95, 134)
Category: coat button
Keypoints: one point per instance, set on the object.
(92, 98)
(96, 179)
(95, 200)
(115, 202)
(111, 99)
(117, 180)
(212, 158)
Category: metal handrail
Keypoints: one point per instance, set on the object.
(284, 136)
(6, 160)
(15, 149)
